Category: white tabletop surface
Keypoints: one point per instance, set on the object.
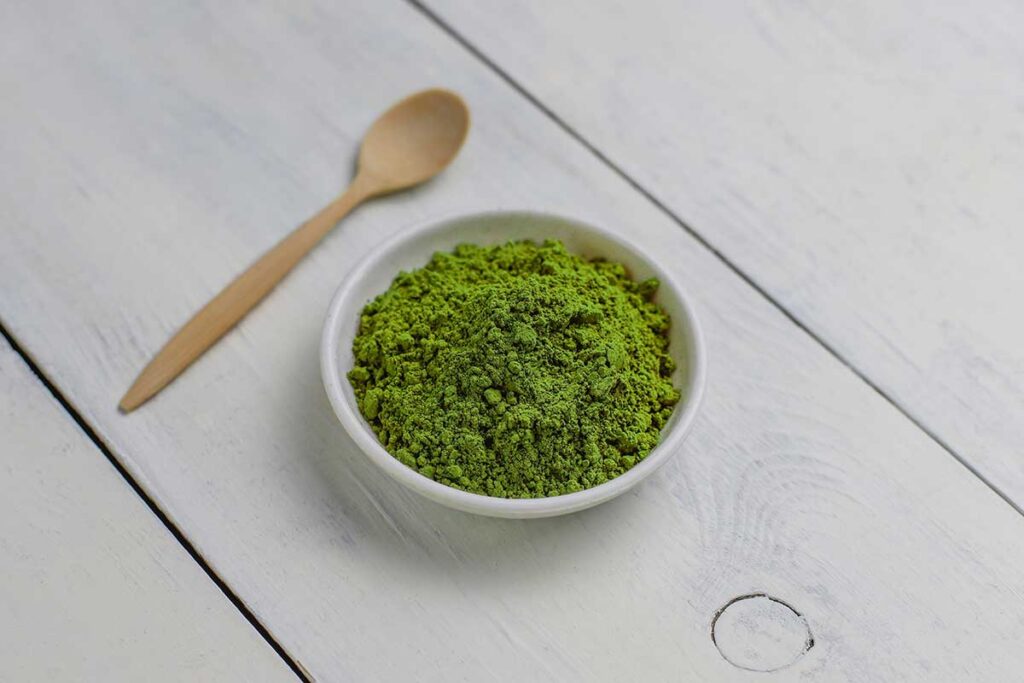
(837, 187)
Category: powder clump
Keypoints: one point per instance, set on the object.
(516, 371)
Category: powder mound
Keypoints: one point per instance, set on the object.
(515, 371)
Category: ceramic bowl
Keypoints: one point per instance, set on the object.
(412, 249)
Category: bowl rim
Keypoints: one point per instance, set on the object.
(361, 433)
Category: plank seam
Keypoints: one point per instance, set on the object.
(89, 432)
(474, 51)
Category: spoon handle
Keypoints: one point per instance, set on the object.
(238, 298)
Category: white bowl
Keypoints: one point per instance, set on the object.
(412, 249)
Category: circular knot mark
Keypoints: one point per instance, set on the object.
(758, 632)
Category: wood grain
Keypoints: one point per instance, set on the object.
(799, 480)
(860, 162)
(92, 586)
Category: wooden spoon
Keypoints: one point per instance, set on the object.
(408, 145)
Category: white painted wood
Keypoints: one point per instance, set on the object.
(861, 161)
(761, 633)
(191, 136)
(92, 586)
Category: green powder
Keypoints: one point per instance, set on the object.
(516, 371)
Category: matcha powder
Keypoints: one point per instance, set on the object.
(516, 371)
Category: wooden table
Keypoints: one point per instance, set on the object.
(838, 185)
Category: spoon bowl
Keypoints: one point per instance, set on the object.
(414, 140)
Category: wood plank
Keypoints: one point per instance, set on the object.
(92, 585)
(190, 137)
(860, 161)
